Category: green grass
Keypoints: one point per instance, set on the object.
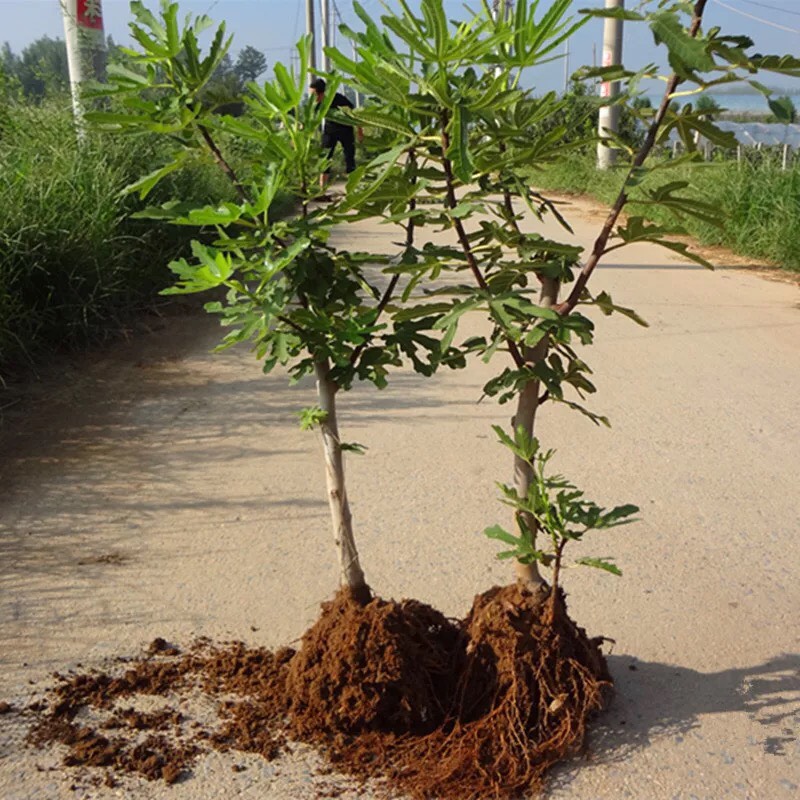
(73, 263)
(759, 203)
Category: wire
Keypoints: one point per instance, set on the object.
(757, 19)
(772, 8)
(296, 22)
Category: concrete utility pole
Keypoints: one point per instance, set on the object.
(566, 66)
(355, 58)
(311, 31)
(500, 10)
(86, 48)
(612, 56)
(326, 33)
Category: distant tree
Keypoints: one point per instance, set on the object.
(114, 51)
(250, 63)
(9, 61)
(9, 87)
(42, 68)
(580, 116)
(708, 106)
(223, 92)
(223, 70)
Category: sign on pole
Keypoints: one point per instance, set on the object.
(86, 48)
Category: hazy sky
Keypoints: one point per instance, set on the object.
(273, 25)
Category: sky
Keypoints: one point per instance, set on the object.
(272, 26)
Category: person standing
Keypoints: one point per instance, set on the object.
(334, 133)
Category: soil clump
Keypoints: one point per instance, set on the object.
(386, 690)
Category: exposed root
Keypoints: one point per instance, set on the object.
(385, 666)
(529, 685)
(387, 690)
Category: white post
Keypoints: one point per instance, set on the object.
(355, 58)
(785, 157)
(500, 10)
(612, 56)
(311, 31)
(326, 33)
(86, 49)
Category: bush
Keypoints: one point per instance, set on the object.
(72, 261)
(760, 201)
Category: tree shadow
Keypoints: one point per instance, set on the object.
(654, 700)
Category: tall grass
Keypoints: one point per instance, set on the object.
(759, 203)
(73, 262)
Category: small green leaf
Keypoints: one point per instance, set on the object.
(501, 534)
(353, 447)
(606, 564)
(687, 55)
(311, 418)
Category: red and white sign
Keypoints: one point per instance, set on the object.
(90, 14)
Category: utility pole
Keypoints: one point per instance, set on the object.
(612, 56)
(311, 31)
(355, 58)
(566, 66)
(326, 33)
(500, 11)
(86, 49)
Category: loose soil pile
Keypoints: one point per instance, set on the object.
(435, 708)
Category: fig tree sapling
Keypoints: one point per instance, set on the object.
(301, 302)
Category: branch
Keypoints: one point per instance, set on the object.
(464, 239)
(409, 242)
(599, 248)
(291, 324)
(223, 164)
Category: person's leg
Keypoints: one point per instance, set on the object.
(329, 144)
(348, 141)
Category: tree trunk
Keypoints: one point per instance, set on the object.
(350, 572)
(525, 417)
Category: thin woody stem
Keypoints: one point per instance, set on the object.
(463, 239)
(556, 575)
(227, 169)
(223, 164)
(409, 242)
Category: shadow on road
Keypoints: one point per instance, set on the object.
(655, 700)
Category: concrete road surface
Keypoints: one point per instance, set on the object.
(154, 489)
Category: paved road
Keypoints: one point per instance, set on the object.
(155, 489)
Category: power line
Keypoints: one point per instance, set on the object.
(296, 22)
(757, 19)
(772, 8)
